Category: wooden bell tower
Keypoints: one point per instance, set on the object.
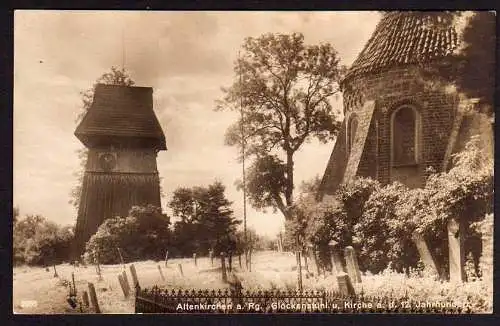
(123, 137)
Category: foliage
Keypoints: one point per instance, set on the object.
(115, 76)
(254, 241)
(283, 90)
(266, 182)
(470, 69)
(205, 220)
(398, 212)
(143, 234)
(37, 241)
(379, 222)
(380, 233)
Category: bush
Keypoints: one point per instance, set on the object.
(144, 234)
(37, 241)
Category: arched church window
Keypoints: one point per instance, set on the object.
(351, 132)
(404, 136)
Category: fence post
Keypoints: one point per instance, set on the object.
(135, 281)
(456, 251)
(85, 297)
(239, 259)
(250, 259)
(93, 298)
(299, 270)
(166, 258)
(161, 273)
(211, 254)
(123, 286)
(425, 253)
(180, 269)
(345, 285)
(223, 265)
(352, 264)
(194, 258)
(55, 271)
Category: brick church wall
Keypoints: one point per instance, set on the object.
(390, 89)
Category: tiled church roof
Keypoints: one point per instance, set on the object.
(122, 112)
(404, 38)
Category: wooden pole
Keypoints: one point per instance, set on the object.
(239, 259)
(299, 270)
(121, 257)
(194, 258)
(166, 258)
(250, 252)
(161, 273)
(211, 254)
(316, 261)
(55, 271)
(93, 298)
(74, 286)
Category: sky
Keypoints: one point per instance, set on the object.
(186, 57)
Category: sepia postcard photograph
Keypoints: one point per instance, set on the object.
(226, 162)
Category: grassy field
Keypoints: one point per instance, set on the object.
(270, 270)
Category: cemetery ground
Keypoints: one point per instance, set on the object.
(271, 270)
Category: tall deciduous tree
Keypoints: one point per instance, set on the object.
(283, 88)
(472, 69)
(205, 219)
(115, 76)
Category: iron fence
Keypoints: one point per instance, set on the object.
(160, 300)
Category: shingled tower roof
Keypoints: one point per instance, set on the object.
(121, 115)
(406, 38)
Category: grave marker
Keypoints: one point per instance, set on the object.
(180, 269)
(124, 287)
(345, 285)
(85, 297)
(456, 251)
(135, 281)
(352, 264)
(93, 298)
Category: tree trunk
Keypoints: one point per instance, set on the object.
(289, 180)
